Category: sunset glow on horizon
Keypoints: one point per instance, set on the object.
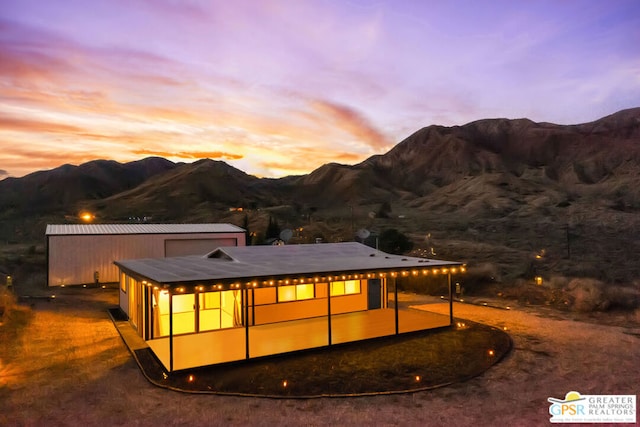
(277, 88)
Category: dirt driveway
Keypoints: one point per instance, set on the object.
(71, 368)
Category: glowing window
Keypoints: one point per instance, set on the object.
(296, 292)
(337, 288)
(352, 287)
(348, 287)
(286, 293)
(209, 316)
(304, 291)
(209, 300)
(183, 314)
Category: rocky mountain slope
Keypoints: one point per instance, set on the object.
(494, 189)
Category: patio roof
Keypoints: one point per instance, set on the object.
(248, 262)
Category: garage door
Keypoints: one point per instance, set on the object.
(182, 247)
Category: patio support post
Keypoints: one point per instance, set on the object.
(395, 293)
(450, 300)
(245, 307)
(329, 311)
(170, 331)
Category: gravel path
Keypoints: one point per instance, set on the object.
(71, 368)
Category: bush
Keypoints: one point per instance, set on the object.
(586, 295)
(393, 241)
(478, 277)
(623, 297)
(7, 302)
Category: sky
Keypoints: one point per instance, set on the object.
(281, 87)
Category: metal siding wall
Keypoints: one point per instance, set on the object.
(74, 258)
(182, 247)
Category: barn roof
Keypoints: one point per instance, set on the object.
(248, 262)
(98, 229)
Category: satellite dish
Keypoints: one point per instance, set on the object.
(286, 235)
(363, 233)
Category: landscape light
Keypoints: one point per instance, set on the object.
(285, 383)
(491, 353)
(86, 216)
(417, 378)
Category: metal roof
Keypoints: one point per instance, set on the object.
(96, 229)
(247, 262)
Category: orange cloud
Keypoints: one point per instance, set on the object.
(353, 122)
(302, 160)
(190, 155)
(28, 125)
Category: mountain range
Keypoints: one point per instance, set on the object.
(514, 186)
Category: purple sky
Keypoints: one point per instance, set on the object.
(282, 87)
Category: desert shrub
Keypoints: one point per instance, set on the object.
(623, 297)
(557, 282)
(478, 277)
(586, 295)
(7, 302)
(394, 242)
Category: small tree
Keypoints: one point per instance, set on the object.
(247, 232)
(394, 242)
(384, 211)
(273, 229)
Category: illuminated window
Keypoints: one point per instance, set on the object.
(352, 287)
(184, 320)
(296, 292)
(305, 292)
(348, 287)
(123, 283)
(209, 311)
(286, 293)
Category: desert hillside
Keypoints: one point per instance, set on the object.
(492, 192)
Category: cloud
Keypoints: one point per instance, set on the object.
(190, 154)
(29, 125)
(352, 122)
(3, 173)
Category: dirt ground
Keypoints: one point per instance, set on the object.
(70, 367)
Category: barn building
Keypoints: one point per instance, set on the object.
(84, 253)
(243, 302)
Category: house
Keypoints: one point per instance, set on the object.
(244, 302)
(84, 253)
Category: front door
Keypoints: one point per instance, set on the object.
(374, 294)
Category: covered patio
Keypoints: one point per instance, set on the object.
(230, 345)
(249, 302)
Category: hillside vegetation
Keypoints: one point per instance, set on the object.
(523, 198)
